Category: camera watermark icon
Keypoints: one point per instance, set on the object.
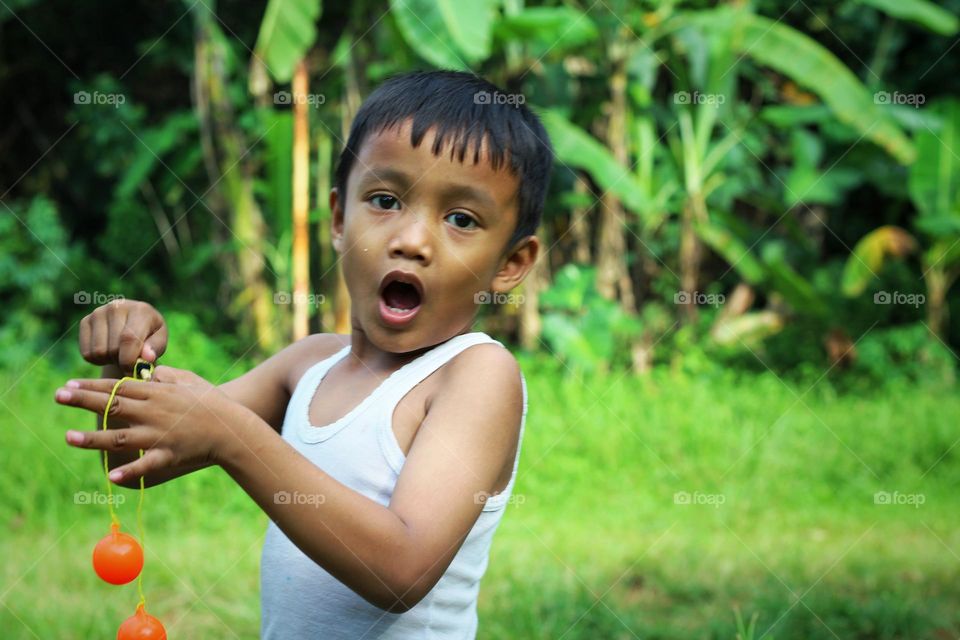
(915, 100)
(485, 97)
(312, 99)
(96, 297)
(98, 498)
(286, 297)
(699, 298)
(481, 497)
(695, 97)
(285, 497)
(914, 300)
(697, 498)
(98, 98)
(495, 297)
(896, 498)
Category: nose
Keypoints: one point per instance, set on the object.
(412, 239)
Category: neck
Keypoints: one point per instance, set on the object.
(376, 359)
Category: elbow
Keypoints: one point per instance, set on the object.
(396, 605)
(407, 574)
(404, 593)
(392, 603)
(399, 598)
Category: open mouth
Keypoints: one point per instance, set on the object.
(401, 296)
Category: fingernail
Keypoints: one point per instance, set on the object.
(73, 384)
(63, 395)
(116, 474)
(74, 437)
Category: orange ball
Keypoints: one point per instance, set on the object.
(141, 626)
(118, 558)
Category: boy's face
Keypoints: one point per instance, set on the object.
(442, 223)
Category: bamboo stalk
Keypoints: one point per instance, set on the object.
(301, 203)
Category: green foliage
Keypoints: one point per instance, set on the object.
(286, 34)
(928, 14)
(10, 8)
(33, 253)
(577, 148)
(448, 34)
(801, 58)
(582, 327)
(934, 186)
(902, 355)
(156, 143)
(869, 255)
(276, 188)
(36, 278)
(787, 147)
(935, 177)
(807, 182)
(726, 243)
(207, 355)
(546, 31)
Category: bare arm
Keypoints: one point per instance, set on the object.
(265, 390)
(116, 334)
(393, 556)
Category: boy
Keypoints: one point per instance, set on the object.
(385, 458)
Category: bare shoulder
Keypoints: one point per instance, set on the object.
(266, 389)
(306, 352)
(489, 371)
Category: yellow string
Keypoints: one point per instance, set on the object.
(145, 369)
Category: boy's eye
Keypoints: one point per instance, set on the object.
(384, 201)
(461, 220)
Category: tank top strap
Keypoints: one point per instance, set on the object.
(398, 386)
(307, 385)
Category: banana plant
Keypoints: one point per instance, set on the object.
(448, 34)
(216, 112)
(288, 30)
(925, 13)
(705, 128)
(934, 187)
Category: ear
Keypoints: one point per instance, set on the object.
(516, 265)
(336, 220)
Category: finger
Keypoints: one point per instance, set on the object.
(151, 461)
(100, 344)
(172, 375)
(86, 339)
(156, 343)
(96, 401)
(116, 318)
(136, 389)
(163, 373)
(129, 439)
(132, 337)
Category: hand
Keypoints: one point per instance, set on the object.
(121, 331)
(178, 419)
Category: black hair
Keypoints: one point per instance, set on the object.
(466, 111)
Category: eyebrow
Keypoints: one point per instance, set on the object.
(466, 192)
(405, 182)
(386, 174)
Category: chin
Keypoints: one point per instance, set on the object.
(408, 339)
(399, 340)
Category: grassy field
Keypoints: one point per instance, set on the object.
(646, 508)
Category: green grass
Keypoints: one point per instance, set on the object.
(595, 545)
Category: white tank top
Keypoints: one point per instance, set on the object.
(300, 600)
